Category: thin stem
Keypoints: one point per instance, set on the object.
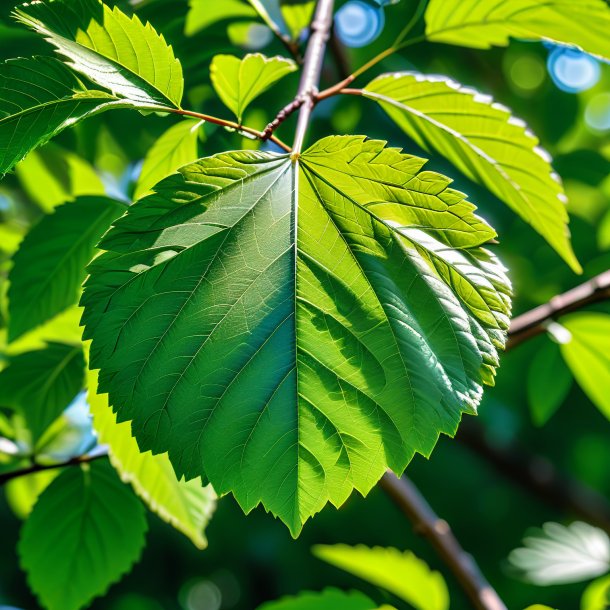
(35, 467)
(419, 11)
(232, 125)
(427, 523)
(312, 68)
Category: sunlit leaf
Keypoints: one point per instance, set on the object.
(49, 266)
(297, 15)
(588, 356)
(486, 23)
(203, 13)
(558, 554)
(344, 338)
(22, 492)
(175, 148)
(97, 534)
(400, 573)
(597, 595)
(188, 506)
(485, 142)
(240, 81)
(329, 599)
(117, 52)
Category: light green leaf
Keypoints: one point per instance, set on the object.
(309, 301)
(117, 52)
(187, 506)
(175, 148)
(485, 23)
(240, 81)
(485, 142)
(51, 176)
(22, 492)
(203, 13)
(329, 599)
(49, 266)
(41, 384)
(297, 15)
(85, 532)
(557, 554)
(597, 595)
(400, 573)
(40, 97)
(548, 383)
(11, 235)
(588, 356)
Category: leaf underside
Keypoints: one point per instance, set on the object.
(287, 331)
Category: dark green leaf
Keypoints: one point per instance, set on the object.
(329, 599)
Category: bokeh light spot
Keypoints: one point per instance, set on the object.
(573, 71)
(358, 23)
(597, 113)
(527, 72)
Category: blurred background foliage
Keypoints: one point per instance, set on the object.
(564, 96)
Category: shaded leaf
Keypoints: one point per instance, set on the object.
(213, 293)
(588, 357)
(400, 573)
(41, 384)
(486, 23)
(485, 142)
(97, 535)
(175, 148)
(329, 599)
(117, 52)
(240, 81)
(557, 554)
(187, 506)
(49, 266)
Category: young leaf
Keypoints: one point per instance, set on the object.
(240, 81)
(596, 595)
(40, 97)
(485, 142)
(187, 506)
(117, 52)
(203, 13)
(297, 15)
(588, 357)
(97, 534)
(49, 266)
(485, 23)
(175, 148)
(329, 599)
(291, 297)
(42, 383)
(400, 573)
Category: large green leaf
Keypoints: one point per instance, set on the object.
(485, 23)
(288, 329)
(175, 148)
(401, 573)
(86, 530)
(188, 506)
(113, 50)
(49, 266)
(329, 599)
(40, 97)
(240, 81)
(42, 383)
(588, 356)
(485, 142)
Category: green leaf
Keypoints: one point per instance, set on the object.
(40, 97)
(485, 23)
(175, 148)
(187, 506)
(240, 81)
(22, 492)
(49, 266)
(310, 301)
(548, 383)
(297, 15)
(588, 357)
(85, 532)
(597, 595)
(485, 142)
(117, 52)
(557, 554)
(329, 599)
(42, 383)
(203, 14)
(51, 176)
(400, 573)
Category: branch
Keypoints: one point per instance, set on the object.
(425, 522)
(5, 477)
(534, 322)
(312, 68)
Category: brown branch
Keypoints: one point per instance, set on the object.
(75, 461)
(534, 322)
(425, 522)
